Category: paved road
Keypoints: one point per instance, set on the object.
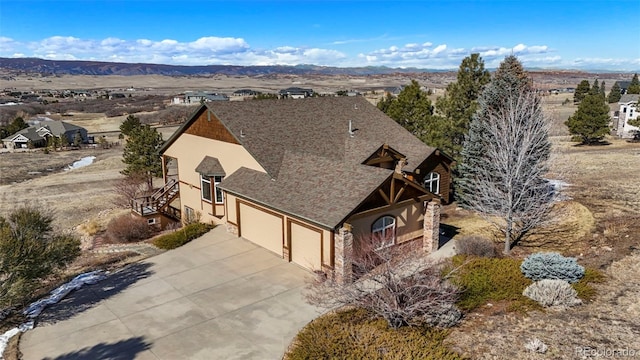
(218, 297)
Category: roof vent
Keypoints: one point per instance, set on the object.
(352, 131)
(242, 134)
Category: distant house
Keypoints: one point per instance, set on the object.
(393, 90)
(117, 96)
(37, 135)
(245, 92)
(309, 180)
(295, 93)
(196, 97)
(624, 85)
(628, 111)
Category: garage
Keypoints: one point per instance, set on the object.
(261, 227)
(306, 246)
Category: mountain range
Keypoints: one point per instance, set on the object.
(81, 67)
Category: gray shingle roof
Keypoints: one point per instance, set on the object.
(55, 127)
(314, 167)
(626, 98)
(317, 126)
(210, 166)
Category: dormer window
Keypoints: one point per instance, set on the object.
(432, 182)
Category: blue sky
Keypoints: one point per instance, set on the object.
(561, 34)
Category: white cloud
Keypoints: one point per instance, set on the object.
(210, 50)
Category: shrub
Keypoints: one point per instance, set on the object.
(551, 265)
(489, 279)
(353, 334)
(395, 288)
(30, 251)
(584, 288)
(90, 228)
(182, 236)
(128, 228)
(476, 245)
(552, 292)
(536, 345)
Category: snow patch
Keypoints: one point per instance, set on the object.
(54, 297)
(85, 161)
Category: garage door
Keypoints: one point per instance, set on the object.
(262, 228)
(306, 247)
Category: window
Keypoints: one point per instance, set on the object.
(151, 221)
(432, 182)
(205, 188)
(384, 231)
(217, 180)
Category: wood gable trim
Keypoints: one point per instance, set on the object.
(207, 125)
(197, 114)
(384, 154)
(396, 190)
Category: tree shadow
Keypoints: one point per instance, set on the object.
(121, 350)
(595, 143)
(88, 296)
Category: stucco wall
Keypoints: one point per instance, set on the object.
(409, 221)
(190, 150)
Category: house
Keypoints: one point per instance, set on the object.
(38, 134)
(308, 179)
(295, 93)
(196, 97)
(624, 85)
(628, 111)
(245, 92)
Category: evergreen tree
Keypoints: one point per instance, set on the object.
(30, 251)
(602, 90)
(459, 104)
(595, 88)
(77, 139)
(16, 125)
(634, 87)
(505, 153)
(141, 153)
(581, 91)
(129, 125)
(412, 109)
(64, 140)
(615, 94)
(591, 120)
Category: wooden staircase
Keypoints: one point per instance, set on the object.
(158, 202)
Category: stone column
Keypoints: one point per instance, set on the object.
(431, 228)
(343, 263)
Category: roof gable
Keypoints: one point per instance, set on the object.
(209, 126)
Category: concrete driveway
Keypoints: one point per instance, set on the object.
(218, 297)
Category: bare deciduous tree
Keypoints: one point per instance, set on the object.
(393, 283)
(129, 188)
(508, 186)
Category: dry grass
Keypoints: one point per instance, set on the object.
(570, 223)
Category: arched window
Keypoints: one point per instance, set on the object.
(432, 182)
(383, 232)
